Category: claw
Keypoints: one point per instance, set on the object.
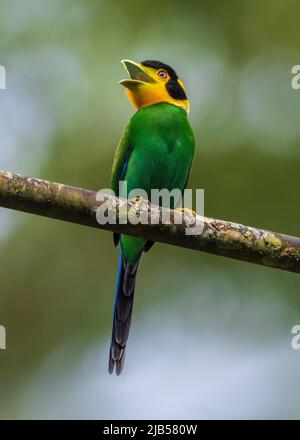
(136, 199)
(187, 211)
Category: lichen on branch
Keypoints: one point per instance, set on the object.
(77, 205)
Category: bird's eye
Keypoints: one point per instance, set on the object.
(162, 74)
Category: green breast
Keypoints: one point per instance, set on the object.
(162, 148)
(162, 145)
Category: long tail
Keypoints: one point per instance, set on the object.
(122, 313)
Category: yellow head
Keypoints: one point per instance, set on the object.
(152, 82)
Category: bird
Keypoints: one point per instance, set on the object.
(155, 152)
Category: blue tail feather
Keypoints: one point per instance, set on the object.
(123, 306)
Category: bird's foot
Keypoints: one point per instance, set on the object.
(136, 199)
(187, 215)
(187, 211)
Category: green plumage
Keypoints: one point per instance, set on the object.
(155, 151)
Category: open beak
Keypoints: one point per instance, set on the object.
(136, 73)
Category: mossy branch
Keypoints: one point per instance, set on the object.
(77, 205)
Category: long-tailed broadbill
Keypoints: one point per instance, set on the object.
(155, 152)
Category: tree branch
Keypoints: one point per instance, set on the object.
(218, 237)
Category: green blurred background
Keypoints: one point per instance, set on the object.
(211, 337)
